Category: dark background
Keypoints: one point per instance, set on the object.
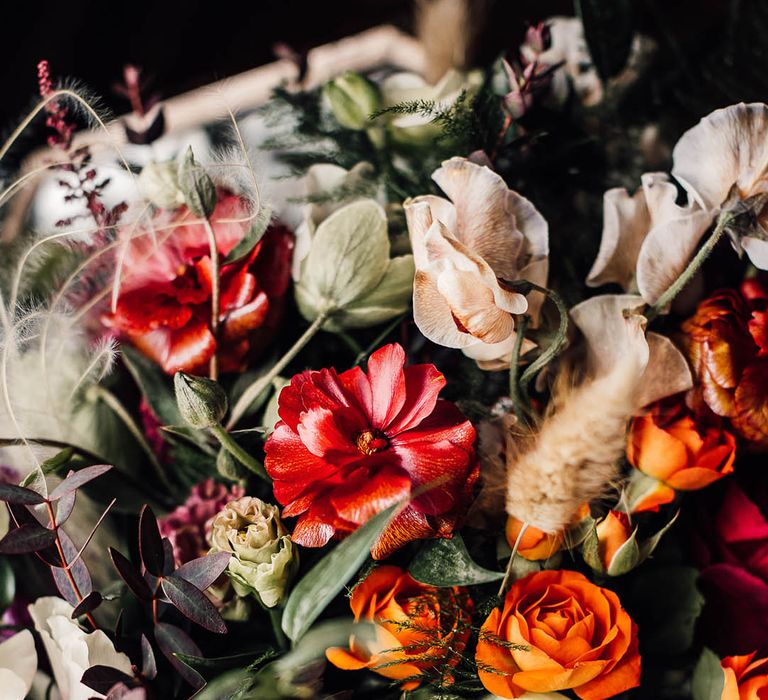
(183, 45)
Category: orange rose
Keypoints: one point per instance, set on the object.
(745, 679)
(419, 630)
(683, 453)
(570, 634)
(536, 544)
(613, 531)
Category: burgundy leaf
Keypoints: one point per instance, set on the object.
(64, 507)
(20, 495)
(77, 479)
(204, 571)
(26, 539)
(150, 542)
(130, 575)
(102, 678)
(22, 515)
(169, 557)
(78, 570)
(193, 604)
(50, 555)
(87, 604)
(171, 641)
(148, 662)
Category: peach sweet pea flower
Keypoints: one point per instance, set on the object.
(418, 629)
(567, 633)
(467, 249)
(682, 453)
(745, 678)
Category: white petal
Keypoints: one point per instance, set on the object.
(18, 663)
(432, 314)
(726, 148)
(496, 356)
(667, 373)
(666, 252)
(485, 213)
(757, 250)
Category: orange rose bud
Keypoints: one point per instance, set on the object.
(613, 532)
(745, 678)
(419, 630)
(536, 544)
(681, 452)
(558, 631)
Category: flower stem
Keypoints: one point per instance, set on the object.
(555, 346)
(231, 446)
(119, 410)
(516, 394)
(276, 617)
(378, 340)
(260, 384)
(213, 371)
(508, 572)
(696, 262)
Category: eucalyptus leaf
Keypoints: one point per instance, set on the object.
(251, 239)
(209, 668)
(446, 562)
(7, 584)
(327, 578)
(154, 385)
(708, 677)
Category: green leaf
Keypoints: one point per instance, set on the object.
(647, 548)
(7, 584)
(708, 677)
(447, 562)
(327, 578)
(196, 185)
(209, 668)
(608, 29)
(254, 235)
(154, 385)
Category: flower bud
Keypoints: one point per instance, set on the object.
(353, 99)
(159, 183)
(264, 558)
(202, 402)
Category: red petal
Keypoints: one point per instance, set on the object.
(408, 525)
(237, 287)
(148, 309)
(385, 374)
(322, 434)
(190, 347)
(314, 529)
(359, 499)
(273, 264)
(242, 321)
(422, 385)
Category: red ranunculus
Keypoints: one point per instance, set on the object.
(734, 576)
(350, 445)
(164, 306)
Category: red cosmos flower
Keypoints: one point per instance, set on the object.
(164, 307)
(350, 445)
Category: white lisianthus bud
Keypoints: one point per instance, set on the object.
(264, 558)
(353, 99)
(202, 402)
(159, 183)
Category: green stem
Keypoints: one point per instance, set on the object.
(276, 617)
(518, 398)
(119, 410)
(213, 372)
(231, 446)
(555, 346)
(693, 267)
(260, 384)
(379, 339)
(508, 572)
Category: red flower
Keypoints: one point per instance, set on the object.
(350, 445)
(164, 307)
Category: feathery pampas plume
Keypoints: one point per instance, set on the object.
(573, 457)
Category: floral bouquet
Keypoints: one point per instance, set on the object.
(409, 386)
